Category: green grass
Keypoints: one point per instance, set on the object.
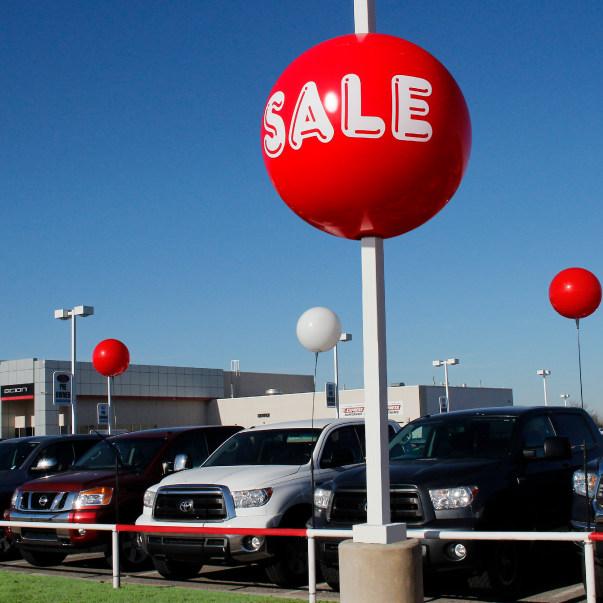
(24, 588)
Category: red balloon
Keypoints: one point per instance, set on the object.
(366, 135)
(111, 357)
(575, 293)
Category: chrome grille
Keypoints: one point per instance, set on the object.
(190, 504)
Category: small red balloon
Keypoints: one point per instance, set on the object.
(111, 357)
(575, 293)
(366, 135)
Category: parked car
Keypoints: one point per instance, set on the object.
(260, 478)
(594, 523)
(24, 459)
(88, 493)
(495, 469)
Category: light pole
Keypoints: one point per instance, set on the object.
(63, 314)
(344, 337)
(544, 374)
(446, 363)
(565, 397)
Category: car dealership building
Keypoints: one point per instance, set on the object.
(148, 396)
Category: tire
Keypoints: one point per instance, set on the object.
(506, 568)
(40, 559)
(289, 568)
(598, 579)
(8, 550)
(132, 557)
(177, 570)
(330, 576)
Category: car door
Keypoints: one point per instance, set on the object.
(541, 480)
(342, 448)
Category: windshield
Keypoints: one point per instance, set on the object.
(266, 447)
(14, 454)
(136, 453)
(459, 438)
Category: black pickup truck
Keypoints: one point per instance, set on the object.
(497, 469)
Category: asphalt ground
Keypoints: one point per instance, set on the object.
(554, 577)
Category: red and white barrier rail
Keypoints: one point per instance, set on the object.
(586, 538)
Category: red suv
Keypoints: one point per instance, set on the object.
(121, 469)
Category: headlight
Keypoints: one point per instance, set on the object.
(94, 497)
(452, 498)
(322, 498)
(251, 498)
(579, 483)
(13, 500)
(148, 500)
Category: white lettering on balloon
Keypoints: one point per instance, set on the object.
(309, 118)
(274, 140)
(406, 106)
(353, 123)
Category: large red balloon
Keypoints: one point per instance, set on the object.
(575, 293)
(366, 135)
(111, 357)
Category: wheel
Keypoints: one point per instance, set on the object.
(598, 579)
(330, 576)
(8, 550)
(506, 568)
(290, 565)
(177, 570)
(40, 559)
(132, 557)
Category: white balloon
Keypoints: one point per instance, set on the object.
(319, 329)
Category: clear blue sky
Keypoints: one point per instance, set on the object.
(132, 180)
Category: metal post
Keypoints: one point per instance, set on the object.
(115, 553)
(73, 380)
(109, 403)
(589, 566)
(546, 400)
(311, 570)
(447, 393)
(336, 381)
(375, 382)
(364, 16)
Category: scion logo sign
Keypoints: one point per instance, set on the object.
(17, 392)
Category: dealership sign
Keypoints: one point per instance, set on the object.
(24, 391)
(366, 135)
(394, 410)
(62, 388)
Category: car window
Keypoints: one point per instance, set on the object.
(136, 453)
(574, 427)
(535, 431)
(342, 447)
(193, 445)
(216, 437)
(14, 454)
(82, 446)
(61, 452)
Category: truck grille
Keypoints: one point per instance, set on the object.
(43, 501)
(190, 504)
(349, 506)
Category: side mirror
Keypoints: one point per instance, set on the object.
(557, 449)
(45, 465)
(167, 467)
(181, 462)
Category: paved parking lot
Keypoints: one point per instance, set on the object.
(554, 579)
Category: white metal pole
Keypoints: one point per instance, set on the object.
(546, 400)
(589, 566)
(336, 381)
(375, 382)
(73, 380)
(364, 16)
(447, 392)
(311, 570)
(115, 553)
(109, 403)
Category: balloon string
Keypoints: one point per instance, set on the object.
(583, 432)
(312, 439)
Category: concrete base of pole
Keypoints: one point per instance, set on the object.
(387, 573)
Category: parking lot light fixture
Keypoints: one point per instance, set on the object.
(64, 314)
(565, 397)
(544, 374)
(344, 337)
(445, 364)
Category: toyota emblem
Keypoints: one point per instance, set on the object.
(186, 506)
(43, 500)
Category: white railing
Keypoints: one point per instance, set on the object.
(586, 538)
